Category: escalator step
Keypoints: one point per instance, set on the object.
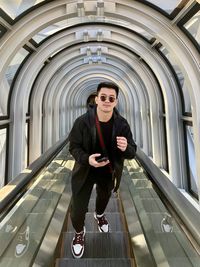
(100, 245)
(94, 262)
(113, 205)
(114, 218)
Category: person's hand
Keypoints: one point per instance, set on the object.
(121, 143)
(94, 163)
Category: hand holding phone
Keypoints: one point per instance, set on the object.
(102, 159)
(96, 160)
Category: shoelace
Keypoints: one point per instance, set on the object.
(79, 239)
(102, 220)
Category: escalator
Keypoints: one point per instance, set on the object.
(37, 231)
(101, 249)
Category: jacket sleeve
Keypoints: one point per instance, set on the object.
(131, 149)
(76, 143)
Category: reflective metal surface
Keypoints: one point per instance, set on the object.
(24, 227)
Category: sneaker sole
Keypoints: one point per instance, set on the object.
(77, 256)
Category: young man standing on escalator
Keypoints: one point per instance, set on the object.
(100, 140)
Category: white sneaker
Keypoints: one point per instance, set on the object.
(103, 224)
(77, 246)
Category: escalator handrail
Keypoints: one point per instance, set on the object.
(14, 187)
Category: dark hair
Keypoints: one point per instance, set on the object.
(108, 85)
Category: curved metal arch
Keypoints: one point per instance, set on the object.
(154, 105)
(26, 11)
(26, 83)
(74, 82)
(77, 75)
(36, 64)
(115, 75)
(136, 7)
(84, 74)
(57, 41)
(58, 78)
(168, 94)
(123, 3)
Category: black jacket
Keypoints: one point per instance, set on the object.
(82, 143)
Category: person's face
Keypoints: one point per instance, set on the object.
(106, 99)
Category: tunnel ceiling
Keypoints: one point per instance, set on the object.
(54, 53)
(76, 43)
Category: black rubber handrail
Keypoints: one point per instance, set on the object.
(17, 185)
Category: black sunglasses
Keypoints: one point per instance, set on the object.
(110, 98)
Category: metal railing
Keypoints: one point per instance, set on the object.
(12, 190)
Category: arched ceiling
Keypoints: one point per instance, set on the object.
(16, 9)
(69, 46)
(48, 17)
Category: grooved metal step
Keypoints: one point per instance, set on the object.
(113, 205)
(101, 249)
(114, 218)
(94, 262)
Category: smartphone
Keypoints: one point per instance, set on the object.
(102, 159)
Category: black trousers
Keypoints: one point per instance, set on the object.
(80, 201)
